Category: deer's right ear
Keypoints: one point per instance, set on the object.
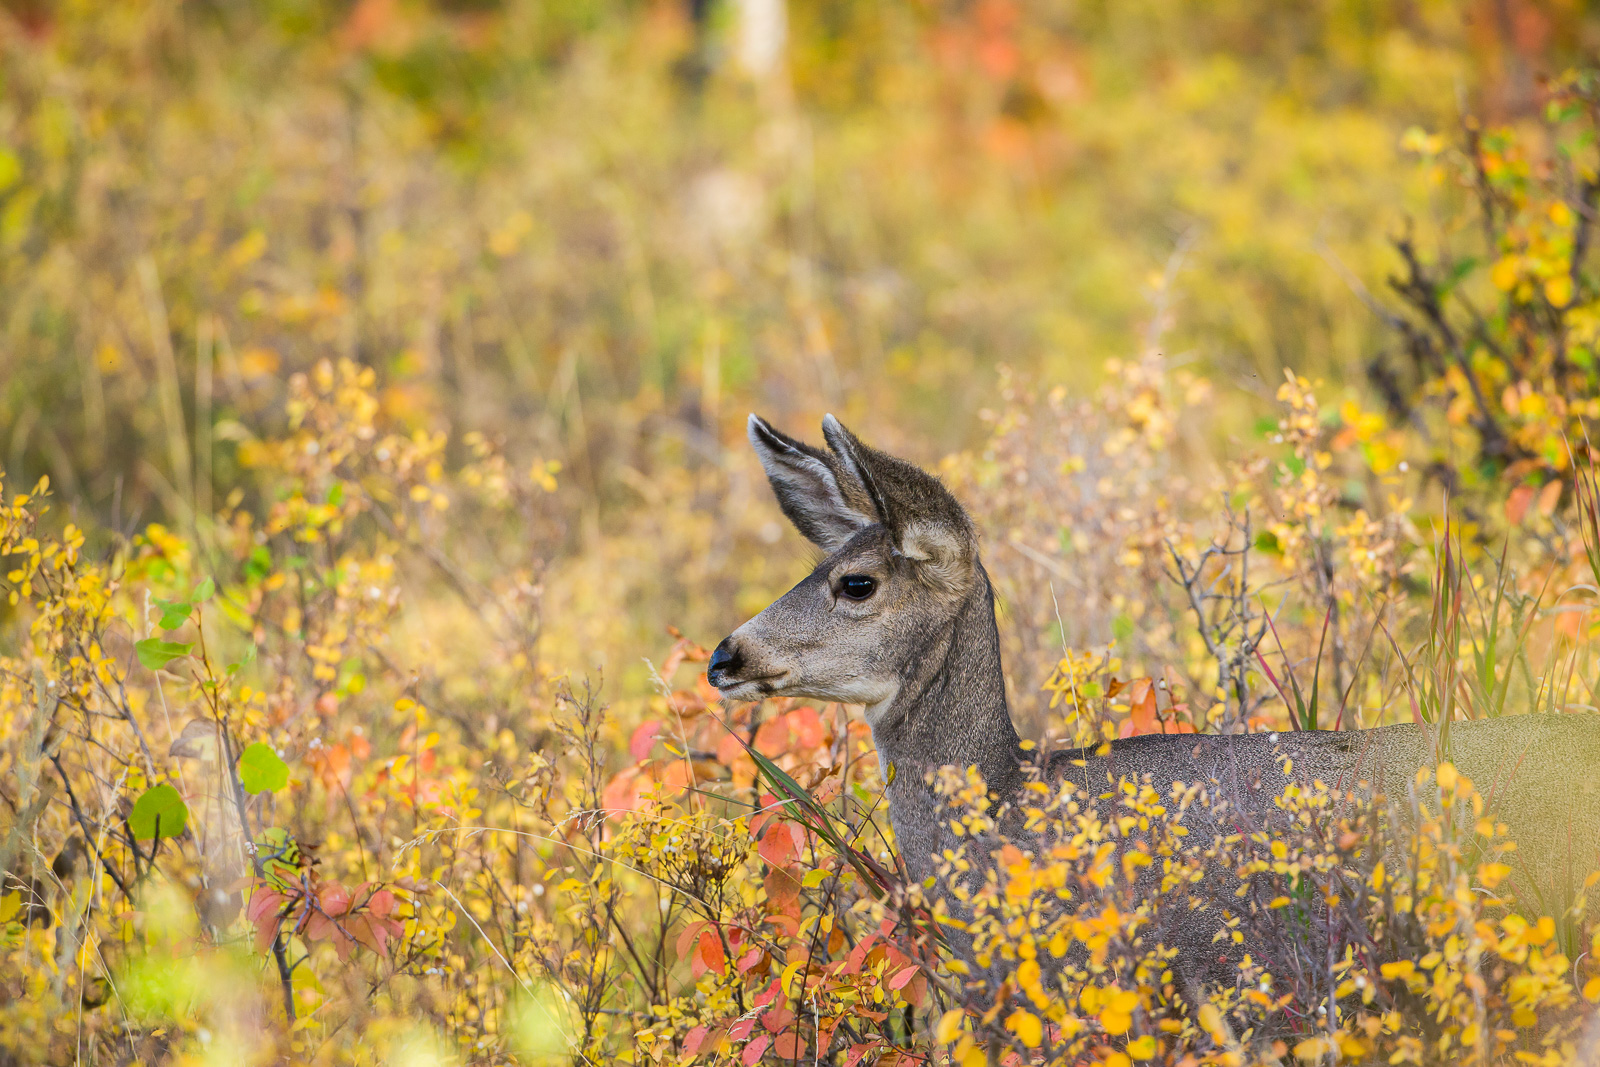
(807, 483)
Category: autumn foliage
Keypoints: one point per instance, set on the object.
(372, 489)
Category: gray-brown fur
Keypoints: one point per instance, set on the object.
(922, 654)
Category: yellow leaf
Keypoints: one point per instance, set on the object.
(1311, 1048)
(1591, 990)
(1211, 1023)
(1116, 1059)
(1142, 1048)
(1447, 776)
(1492, 874)
(949, 1026)
(1504, 273)
(1401, 969)
(1027, 1027)
(1558, 290)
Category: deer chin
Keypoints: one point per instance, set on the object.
(873, 694)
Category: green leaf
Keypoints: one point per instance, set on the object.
(159, 812)
(155, 653)
(174, 613)
(261, 771)
(204, 591)
(259, 565)
(245, 660)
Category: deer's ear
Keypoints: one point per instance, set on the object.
(928, 525)
(820, 499)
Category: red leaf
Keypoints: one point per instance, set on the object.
(777, 1019)
(902, 977)
(754, 1050)
(692, 1040)
(366, 933)
(335, 899)
(343, 943)
(860, 1052)
(264, 903)
(858, 954)
(381, 903)
(266, 933)
(644, 739)
(749, 960)
(318, 926)
(1517, 504)
(690, 932)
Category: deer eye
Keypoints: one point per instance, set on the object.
(857, 586)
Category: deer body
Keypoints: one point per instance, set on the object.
(900, 618)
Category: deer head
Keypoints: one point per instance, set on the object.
(902, 560)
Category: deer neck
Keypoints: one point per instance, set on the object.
(949, 710)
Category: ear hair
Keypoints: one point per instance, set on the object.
(809, 486)
(848, 449)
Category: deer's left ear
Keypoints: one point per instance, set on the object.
(927, 524)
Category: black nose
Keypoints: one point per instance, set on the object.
(725, 661)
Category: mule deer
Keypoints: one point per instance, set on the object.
(899, 618)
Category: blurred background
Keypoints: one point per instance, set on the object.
(602, 232)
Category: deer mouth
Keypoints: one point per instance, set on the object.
(749, 688)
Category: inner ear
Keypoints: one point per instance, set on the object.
(821, 499)
(945, 557)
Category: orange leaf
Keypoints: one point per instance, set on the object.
(1142, 698)
(783, 892)
(1517, 504)
(773, 737)
(789, 1046)
(778, 845)
(806, 726)
(1549, 496)
(626, 791)
(366, 23)
(708, 955)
